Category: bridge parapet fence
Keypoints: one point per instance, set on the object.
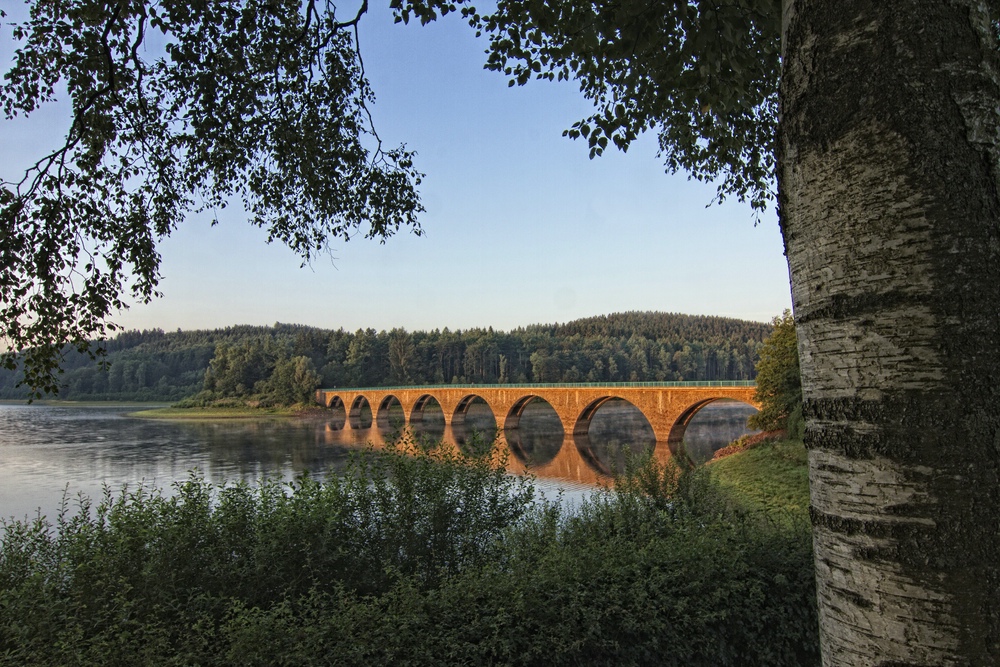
(553, 385)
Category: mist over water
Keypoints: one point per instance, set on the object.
(715, 426)
(49, 450)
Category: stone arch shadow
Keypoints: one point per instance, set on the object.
(532, 447)
(338, 418)
(593, 452)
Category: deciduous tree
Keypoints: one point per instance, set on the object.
(779, 383)
(886, 156)
(180, 106)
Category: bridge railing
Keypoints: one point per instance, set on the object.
(554, 385)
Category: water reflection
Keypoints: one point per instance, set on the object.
(249, 449)
(338, 412)
(427, 421)
(476, 430)
(46, 449)
(538, 436)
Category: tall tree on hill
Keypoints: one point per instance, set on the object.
(292, 380)
(401, 353)
(779, 382)
(886, 160)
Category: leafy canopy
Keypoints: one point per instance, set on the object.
(703, 74)
(178, 107)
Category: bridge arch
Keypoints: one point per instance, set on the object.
(473, 423)
(583, 421)
(467, 402)
(360, 415)
(512, 420)
(417, 411)
(662, 404)
(534, 447)
(679, 428)
(338, 416)
(606, 446)
(384, 415)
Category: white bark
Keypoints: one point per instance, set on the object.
(891, 217)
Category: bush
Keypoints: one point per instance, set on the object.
(419, 560)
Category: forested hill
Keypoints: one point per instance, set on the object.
(634, 346)
(661, 326)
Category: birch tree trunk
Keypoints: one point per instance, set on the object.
(891, 220)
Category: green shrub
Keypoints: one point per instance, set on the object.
(409, 560)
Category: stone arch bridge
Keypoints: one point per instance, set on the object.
(668, 406)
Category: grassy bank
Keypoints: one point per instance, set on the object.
(773, 477)
(431, 559)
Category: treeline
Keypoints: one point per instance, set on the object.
(629, 347)
(625, 347)
(148, 365)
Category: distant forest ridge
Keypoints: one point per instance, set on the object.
(631, 346)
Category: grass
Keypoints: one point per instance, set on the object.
(773, 477)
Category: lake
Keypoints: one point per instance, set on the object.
(48, 450)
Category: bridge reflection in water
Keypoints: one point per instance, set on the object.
(577, 433)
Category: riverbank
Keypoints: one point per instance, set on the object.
(229, 412)
(149, 405)
(772, 476)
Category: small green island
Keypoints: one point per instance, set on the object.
(229, 412)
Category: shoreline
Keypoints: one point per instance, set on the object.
(241, 412)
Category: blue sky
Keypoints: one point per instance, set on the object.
(521, 227)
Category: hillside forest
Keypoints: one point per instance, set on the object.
(284, 363)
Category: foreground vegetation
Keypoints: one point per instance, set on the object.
(427, 559)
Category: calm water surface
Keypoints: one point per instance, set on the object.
(47, 451)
